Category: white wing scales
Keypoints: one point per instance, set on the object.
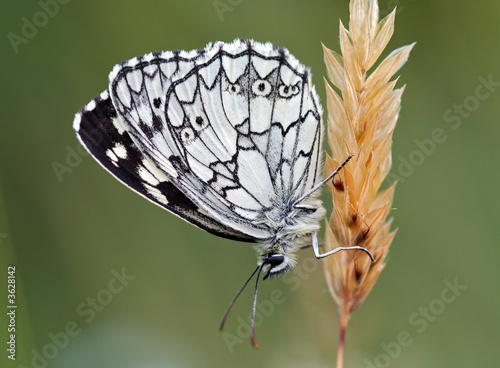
(234, 127)
(101, 131)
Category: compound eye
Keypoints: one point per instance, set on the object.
(277, 263)
(275, 260)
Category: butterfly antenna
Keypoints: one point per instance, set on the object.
(321, 183)
(252, 323)
(224, 317)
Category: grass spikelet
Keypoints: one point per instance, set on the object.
(361, 121)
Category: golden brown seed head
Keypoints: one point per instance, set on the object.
(361, 120)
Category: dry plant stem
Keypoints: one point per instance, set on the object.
(361, 119)
(344, 317)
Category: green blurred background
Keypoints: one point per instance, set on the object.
(70, 230)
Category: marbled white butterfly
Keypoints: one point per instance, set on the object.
(227, 138)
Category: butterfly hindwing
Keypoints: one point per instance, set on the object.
(101, 131)
(235, 127)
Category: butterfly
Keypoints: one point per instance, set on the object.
(229, 138)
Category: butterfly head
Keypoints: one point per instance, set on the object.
(277, 264)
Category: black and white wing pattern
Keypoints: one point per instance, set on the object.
(222, 137)
(101, 132)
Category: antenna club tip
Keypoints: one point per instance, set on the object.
(254, 343)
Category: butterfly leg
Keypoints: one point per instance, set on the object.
(319, 255)
(308, 245)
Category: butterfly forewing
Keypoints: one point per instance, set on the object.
(100, 130)
(218, 136)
